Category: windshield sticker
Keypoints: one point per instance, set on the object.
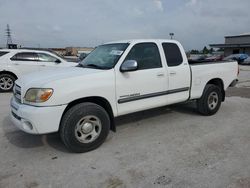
(116, 52)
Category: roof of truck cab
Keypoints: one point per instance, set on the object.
(142, 40)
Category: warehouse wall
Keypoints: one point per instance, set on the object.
(237, 40)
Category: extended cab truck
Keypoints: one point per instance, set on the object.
(115, 79)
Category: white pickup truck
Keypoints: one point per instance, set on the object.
(115, 79)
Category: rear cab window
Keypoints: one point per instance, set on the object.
(173, 54)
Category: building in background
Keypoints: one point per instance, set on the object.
(75, 51)
(235, 44)
(60, 51)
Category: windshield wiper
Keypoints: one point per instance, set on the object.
(92, 66)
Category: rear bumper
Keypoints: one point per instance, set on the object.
(36, 120)
(234, 82)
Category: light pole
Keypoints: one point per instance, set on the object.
(171, 35)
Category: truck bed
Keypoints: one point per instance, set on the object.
(223, 70)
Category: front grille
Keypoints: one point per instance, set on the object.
(17, 93)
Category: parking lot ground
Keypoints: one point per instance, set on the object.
(165, 147)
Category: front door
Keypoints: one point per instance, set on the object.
(145, 87)
(25, 62)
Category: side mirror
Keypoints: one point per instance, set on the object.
(129, 65)
(57, 61)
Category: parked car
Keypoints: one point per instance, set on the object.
(246, 61)
(214, 58)
(117, 78)
(197, 58)
(17, 62)
(237, 57)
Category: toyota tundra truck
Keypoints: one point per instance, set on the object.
(115, 79)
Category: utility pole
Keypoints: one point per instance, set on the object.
(171, 35)
(8, 34)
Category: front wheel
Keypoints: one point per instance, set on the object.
(7, 82)
(84, 127)
(210, 101)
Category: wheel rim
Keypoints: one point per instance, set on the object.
(213, 100)
(6, 83)
(88, 129)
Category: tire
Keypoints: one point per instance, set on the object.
(84, 127)
(7, 82)
(210, 101)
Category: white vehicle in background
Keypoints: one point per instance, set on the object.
(17, 62)
(115, 79)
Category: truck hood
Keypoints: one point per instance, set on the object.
(38, 79)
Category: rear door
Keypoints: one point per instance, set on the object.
(179, 76)
(25, 62)
(145, 87)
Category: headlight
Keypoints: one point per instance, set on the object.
(38, 95)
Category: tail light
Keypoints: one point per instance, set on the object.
(238, 70)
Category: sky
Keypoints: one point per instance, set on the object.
(88, 23)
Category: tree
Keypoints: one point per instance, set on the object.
(194, 52)
(220, 50)
(205, 50)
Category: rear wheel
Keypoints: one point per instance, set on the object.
(6, 82)
(210, 101)
(84, 127)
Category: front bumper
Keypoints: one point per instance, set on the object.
(36, 120)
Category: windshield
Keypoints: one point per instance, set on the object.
(104, 56)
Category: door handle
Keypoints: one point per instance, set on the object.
(16, 64)
(160, 74)
(172, 73)
(42, 65)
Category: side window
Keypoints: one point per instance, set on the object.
(25, 56)
(146, 54)
(172, 54)
(46, 57)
